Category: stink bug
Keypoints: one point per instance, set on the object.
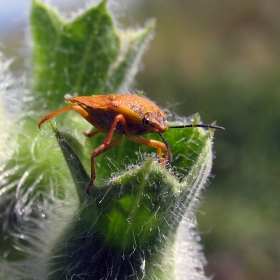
(122, 114)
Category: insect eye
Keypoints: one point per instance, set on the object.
(146, 121)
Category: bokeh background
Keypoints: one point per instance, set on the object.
(220, 58)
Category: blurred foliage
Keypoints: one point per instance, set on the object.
(221, 58)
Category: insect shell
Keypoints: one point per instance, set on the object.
(142, 116)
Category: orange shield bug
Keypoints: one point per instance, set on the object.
(122, 114)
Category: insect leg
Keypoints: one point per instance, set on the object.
(91, 133)
(79, 110)
(55, 114)
(151, 143)
(101, 149)
(107, 144)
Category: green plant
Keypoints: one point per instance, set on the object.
(139, 221)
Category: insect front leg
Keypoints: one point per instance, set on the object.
(107, 144)
(154, 144)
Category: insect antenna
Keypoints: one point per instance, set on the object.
(198, 125)
(167, 147)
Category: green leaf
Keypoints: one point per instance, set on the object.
(86, 55)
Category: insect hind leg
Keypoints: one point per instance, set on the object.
(58, 112)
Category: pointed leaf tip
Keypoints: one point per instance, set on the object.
(103, 3)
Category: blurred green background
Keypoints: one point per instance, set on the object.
(221, 59)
